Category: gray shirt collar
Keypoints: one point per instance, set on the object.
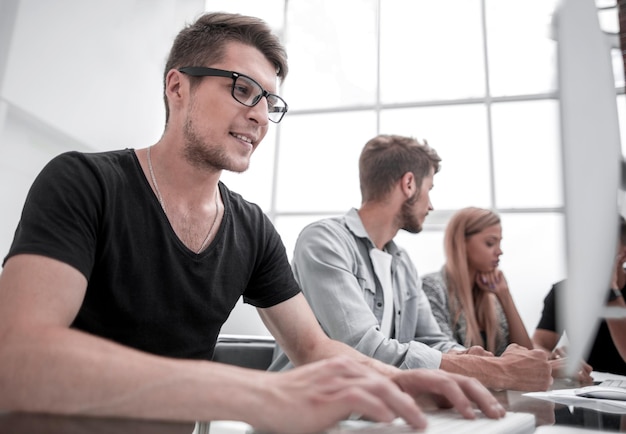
(355, 225)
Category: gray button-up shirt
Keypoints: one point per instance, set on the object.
(332, 265)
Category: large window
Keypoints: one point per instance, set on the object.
(476, 78)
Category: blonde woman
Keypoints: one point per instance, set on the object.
(469, 296)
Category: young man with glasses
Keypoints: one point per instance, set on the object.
(125, 265)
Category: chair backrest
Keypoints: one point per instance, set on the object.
(254, 352)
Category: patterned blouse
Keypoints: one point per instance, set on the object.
(435, 288)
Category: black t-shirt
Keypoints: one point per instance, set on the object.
(603, 356)
(146, 289)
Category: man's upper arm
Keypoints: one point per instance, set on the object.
(334, 284)
(39, 291)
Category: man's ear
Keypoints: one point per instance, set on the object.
(173, 85)
(408, 184)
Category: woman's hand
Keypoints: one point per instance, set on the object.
(559, 371)
(493, 281)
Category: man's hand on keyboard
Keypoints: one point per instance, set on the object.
(524, 369)
(315, 396)
(516, 369)
(448, 390)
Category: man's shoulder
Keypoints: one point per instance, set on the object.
(330, 230)
(237, 199)
(329, 224)
(80, 168)
(97, 156)
(78, 159)
(243, 211)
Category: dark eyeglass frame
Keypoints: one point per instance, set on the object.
(277, 111)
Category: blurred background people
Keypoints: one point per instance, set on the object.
(365, 290)
(608, 350)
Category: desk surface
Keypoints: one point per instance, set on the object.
(551, 414)
(546, 414)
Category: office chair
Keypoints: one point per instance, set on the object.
(254, 352)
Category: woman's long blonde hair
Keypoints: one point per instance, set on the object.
(465, 297)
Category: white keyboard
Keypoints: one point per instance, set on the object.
(446, 422)
(440, 422)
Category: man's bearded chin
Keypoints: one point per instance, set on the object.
(410, 223)
(413, 227)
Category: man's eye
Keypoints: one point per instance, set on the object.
(242, 91)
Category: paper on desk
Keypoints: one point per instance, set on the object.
(569, 398)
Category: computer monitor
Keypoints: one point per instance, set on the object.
(592, 161)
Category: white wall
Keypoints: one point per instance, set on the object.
(83, 75)
(80, 75)
(92, 68)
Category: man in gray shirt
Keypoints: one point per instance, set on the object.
(350, 269)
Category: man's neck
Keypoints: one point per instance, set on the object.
(379, 223)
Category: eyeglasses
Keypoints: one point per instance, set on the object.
(245, 90)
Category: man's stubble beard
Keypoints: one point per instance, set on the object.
(204, 155)
(409, 221)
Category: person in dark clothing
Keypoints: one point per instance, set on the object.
(608, 349)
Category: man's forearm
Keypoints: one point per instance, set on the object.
(68, 372)
(334, 347)
(490, 374)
